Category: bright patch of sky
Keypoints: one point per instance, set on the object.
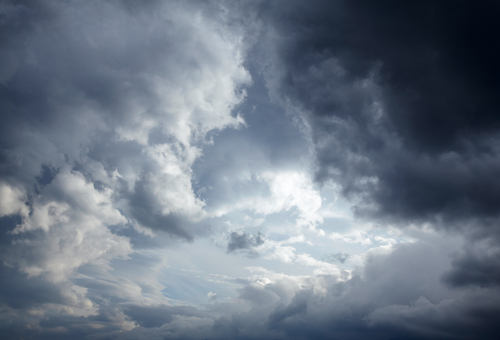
(250, 187)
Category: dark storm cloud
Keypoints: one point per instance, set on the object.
(401, 98)
(475, 269)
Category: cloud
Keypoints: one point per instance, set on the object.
(212, 296)
(105, 108)
(388, 298)
(137, 138)
(12, 201)
(337, 257)
(157, 316)
(116, 103)
(400, 100)
(66, 228)
(102, 128)
(476, 267)
(244, 241)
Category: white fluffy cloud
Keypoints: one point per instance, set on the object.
(73, 218)
(12, 200)
(112, 105)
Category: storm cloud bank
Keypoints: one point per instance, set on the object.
(133, 129)
(401, 98)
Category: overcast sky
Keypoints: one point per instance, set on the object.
(250, 169)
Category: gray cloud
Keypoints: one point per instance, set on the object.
(18, 292)
(243, 241)
(109, 112)
(401, 99)
(400, 294)
(157, 316)
(105, 107)
(475, 268)
(389, 298)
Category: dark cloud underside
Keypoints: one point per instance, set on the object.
(431, 68)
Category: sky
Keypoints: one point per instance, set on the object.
(249, 169)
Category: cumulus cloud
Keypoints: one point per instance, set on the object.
(388, 298)
(106, 106)
(114, 116)
(70, 218)
(118, 104)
